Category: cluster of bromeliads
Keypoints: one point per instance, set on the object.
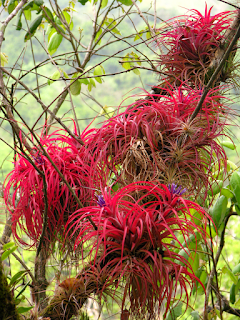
(133, 180)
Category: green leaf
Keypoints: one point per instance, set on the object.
(28, 5)
(104, 3)
(228, 144)
(185, 254)
(137, 72)
(8, 245)
(75, 87)
(84, 81)
(217, 313)
(23, 309)
(33, 27)
(55, 76)
(226, 270)
(97, 36)
(19, 23)
(136, 57)
(235, 185)
(54, 43)
(65, 74)
(98, 71)
(23, 289)
(237, 303)
(219, 210)
(38, 2)
(115, 187)
(91, 80)
(231, 165)
(148, 35)
(126, 65)
(194, 258)
(192, 239)
(233, 293)
(216, 188)
(83, 2)
(110, 23)
(12, 5)
(98, 79)
(108, 112)
(175, 312)
(227, 193)
(91, 84)
(50, 32)
(236, 269)
(8, 252)
(204, 279)
(48, 14)
(18, 276)
(195, 315)
(27, 14)
(138, 35)
(3, 59)
(68, 19)
(126, 2)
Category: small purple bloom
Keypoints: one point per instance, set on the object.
(174, 189)
(100, 201)
(38, 159)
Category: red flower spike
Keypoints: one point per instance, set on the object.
(26, 204)
(135, 242)
(192, 41)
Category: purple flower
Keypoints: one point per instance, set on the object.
(174, 189)
(38, 159)
(100, 201)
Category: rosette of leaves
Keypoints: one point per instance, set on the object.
(133, 245)
(193, 46)
(154, 139)
(25, 194)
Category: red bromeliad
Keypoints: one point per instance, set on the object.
(154, 139)
(136, 240)
(191, 42)
(27, 202)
